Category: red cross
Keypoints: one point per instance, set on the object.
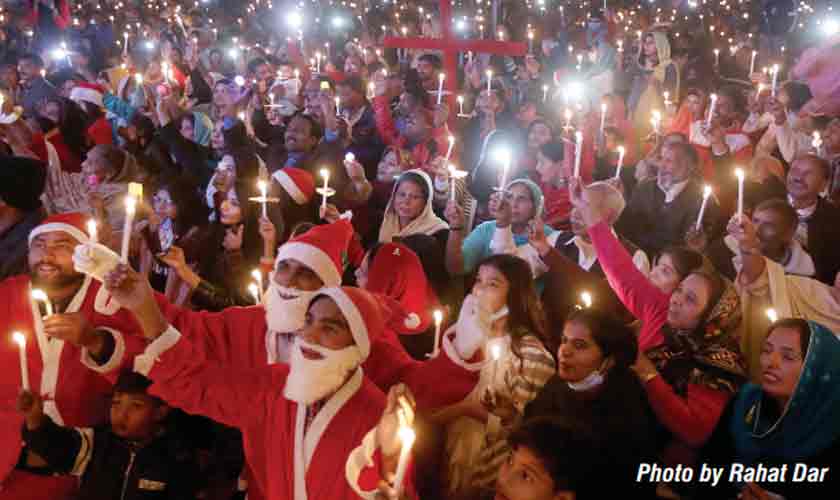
(451, 46)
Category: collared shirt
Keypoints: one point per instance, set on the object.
(802, 228)
(674, 191)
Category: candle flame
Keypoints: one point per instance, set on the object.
(19, 339)
(586, 298)
(621, 150)
(407, 435)
(257, 275)
(496, 351)
(91, 227)
(438, 314)
(772, 315)
(739, 173)
(130, 204)
(39, 294)
(254, 291)
(707, 190)
(325, 173)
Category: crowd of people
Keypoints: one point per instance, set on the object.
(270, 250)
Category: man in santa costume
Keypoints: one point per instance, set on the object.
(312, 428)
(66, 352)
(260, 335)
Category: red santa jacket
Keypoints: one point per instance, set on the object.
(237, 336)
(74, 394)
(334, 458)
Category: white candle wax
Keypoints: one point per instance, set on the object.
(578, 151)
(130, 207)
(739, 173)
(752, 62)
(41, 296)
(775, 79)
(438, 315)
(707, 190)
(603, 118)
(449, 149)
(91, 227)
(489, 79)
(621, 152)
(326, 175)
(712, 102)
(460, 105)
(441, 77)
(20, 340)
(263, 187)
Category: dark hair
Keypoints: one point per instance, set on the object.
(552, 150)
(300, 228)
(416, 179)
(526, 315)
(798, 94)
(539, 121)
(33, 58)
(413, 86)
(192, 209)
(569, 450)
(255, 63)
(822, 163)
(432, 59)
(737, 96)
(613, 337)
(354, 83)
(684, 259)
(688, 154)
(798, 324)
(314, 127)
(781, 207)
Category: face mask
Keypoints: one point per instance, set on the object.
(591, 381)
(282, 314)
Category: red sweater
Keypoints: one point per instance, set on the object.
(692, 418)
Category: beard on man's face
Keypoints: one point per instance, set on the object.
(49, 276)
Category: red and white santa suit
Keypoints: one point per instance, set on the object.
(241, 336)
(75, 391)
(293, 455)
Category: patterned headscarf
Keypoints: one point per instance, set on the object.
(708, 355)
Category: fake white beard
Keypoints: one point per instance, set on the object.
(286, 315)
(311, 380)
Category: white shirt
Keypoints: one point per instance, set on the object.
(674, 191)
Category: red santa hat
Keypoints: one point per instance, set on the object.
(366, 314)
(298, 183)
(322, 249)
(87, 92)
(72, 223)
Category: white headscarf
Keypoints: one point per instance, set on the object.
(426, 223)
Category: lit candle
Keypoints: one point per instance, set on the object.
(125, 43)
(530, 42)
(138, 78)
(91, 227)
(752, 62)
(460, 105)
(441, 77)
(603, 117)
(667, 98)
(496, 355)
(257, 275)
(337, 106)
(317, 62)
(586, 298)
(449, 149)
(655, 120)
(707, 191)
(739, 173)
(325, 194)
(20, 340)
(817, 143)
(775, 79)
(407, 436)
(717, 57)
(489, 73)
(263, 187)
(758, 92)
(578, 151)
(713, 101)
(438, 314)
(545, 93)
(621, 152)
(504, 156)
(130, 208)
(568, 115)
(40, 296)
(772, 315)
(255, 292)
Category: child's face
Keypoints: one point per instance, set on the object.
(546, 168)
(523, 476)
(136, 417)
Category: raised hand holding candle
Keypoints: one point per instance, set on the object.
(712, 102)
(707, 191)
(441, 77)
(578, 151)
(20, 340)
(739, 173)
(621, 152)
(40, 296)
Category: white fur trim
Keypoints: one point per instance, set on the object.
(358, 460)
(412, 321)
(144, 363)
(314, 258)
(105, 303)
(114, 361)
(51, 227)
(86, 95)
(452, 353)
(358, 327)
(289, 185)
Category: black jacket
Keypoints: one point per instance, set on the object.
(115, 469)
(824, 240)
